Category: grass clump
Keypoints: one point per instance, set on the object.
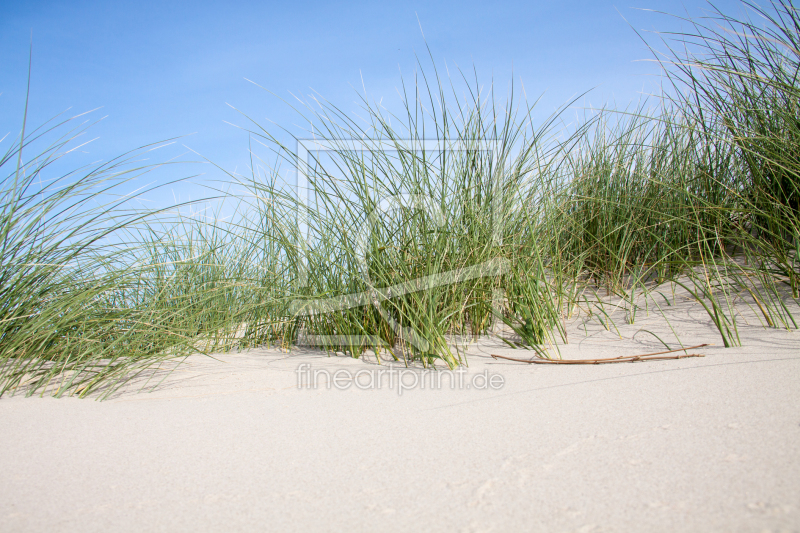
(62, 326)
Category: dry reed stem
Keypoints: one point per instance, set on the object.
(622, 359)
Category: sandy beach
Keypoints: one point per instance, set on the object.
(577, 226)
(238, 443)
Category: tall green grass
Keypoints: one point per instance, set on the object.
(410, 250)
(739, 82)
(62, 328)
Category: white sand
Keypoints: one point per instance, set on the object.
(708, 444)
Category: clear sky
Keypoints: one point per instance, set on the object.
(163, 69)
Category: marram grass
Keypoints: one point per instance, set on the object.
(700, 194)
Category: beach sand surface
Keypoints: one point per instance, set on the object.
(236, 444)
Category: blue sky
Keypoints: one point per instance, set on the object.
(164, 69)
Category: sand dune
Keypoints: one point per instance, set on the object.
(702, 444)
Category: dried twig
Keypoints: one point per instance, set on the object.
(622, 359)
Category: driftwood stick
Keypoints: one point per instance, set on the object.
(675, 350)
(622, 359)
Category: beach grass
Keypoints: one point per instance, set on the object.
(470, 215)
